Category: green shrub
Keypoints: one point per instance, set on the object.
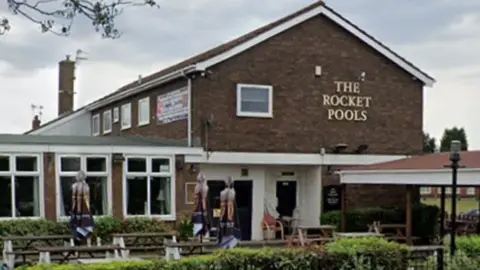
(424, 218)
(341, 256)
(104, 227)
(468, 245)
(378, 252)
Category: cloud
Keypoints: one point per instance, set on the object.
(440, 36)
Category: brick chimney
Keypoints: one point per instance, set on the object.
(66, 79)
(36, 122)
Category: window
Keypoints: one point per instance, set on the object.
(448, 190)
(144, 111)
(116, 115)
(149, 188)
(96, 125)
(20, 186)
(470, 191)
(107, 121)
(126, 116)
(254, 100)
(425, 190)
(97, 170)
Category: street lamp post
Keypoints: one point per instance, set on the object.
(455, 148)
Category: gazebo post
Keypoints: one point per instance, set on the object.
(478, 208)
(343, 205)
(408, 207)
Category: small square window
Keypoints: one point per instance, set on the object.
(4, 163)
(96, 125)
(70, 164)
(448, 190)
(116, 115)
(96, 164)
(144, 111)
(126, 116)
(26, 164)
(136, 165)
(107, 121)
(470, 191)
(254, 100)
(160, 165)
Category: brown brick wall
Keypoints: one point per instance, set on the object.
(299, 124)
(49, 181)
(117, 189)
(183, 175)
(174, 130)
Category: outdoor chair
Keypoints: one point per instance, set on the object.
(270, 227)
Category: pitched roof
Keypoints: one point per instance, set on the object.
(248, 40)
(436, 161)
(249, 36)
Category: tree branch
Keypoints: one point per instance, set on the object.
(57, 16)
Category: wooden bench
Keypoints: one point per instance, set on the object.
(23, 246)
(142, 241)
(67, 252)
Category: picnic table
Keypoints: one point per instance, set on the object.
(358, 234)
(325, 234)
(173, 249)
(153, 241)
(67, 252)
(395, 232)
(27, 249)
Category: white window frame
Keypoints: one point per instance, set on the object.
(143, 102)
(425, 190)
(96, 124)
(123, 109)
(13, 173)
(470, 191)
(149, 174)
(83, 167)
(116, 115)
(241, 113)
(107, 114)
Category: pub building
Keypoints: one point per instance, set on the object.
(279, 109)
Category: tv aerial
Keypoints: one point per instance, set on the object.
(37, 110)
(80, 55)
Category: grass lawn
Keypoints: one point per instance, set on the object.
(463, 205)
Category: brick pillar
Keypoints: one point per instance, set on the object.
(49, 176)
(184, 174)
(117, 189)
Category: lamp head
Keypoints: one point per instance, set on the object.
(455, 147)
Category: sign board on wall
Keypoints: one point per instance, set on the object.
(347, 103)
(332, 196)
(172, 106)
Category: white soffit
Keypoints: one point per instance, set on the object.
(466, 177)
(289, 158)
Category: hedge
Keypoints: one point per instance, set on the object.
(424, 219)
(104, 227)
(343, 254)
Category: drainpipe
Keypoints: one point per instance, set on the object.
(189, 118)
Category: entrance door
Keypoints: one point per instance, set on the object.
(286, 197)
(244, 194)
(214, 189)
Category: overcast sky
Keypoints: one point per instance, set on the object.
(440, 36)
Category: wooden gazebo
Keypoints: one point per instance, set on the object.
(428, 170)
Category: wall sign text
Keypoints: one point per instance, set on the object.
(347, 103)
